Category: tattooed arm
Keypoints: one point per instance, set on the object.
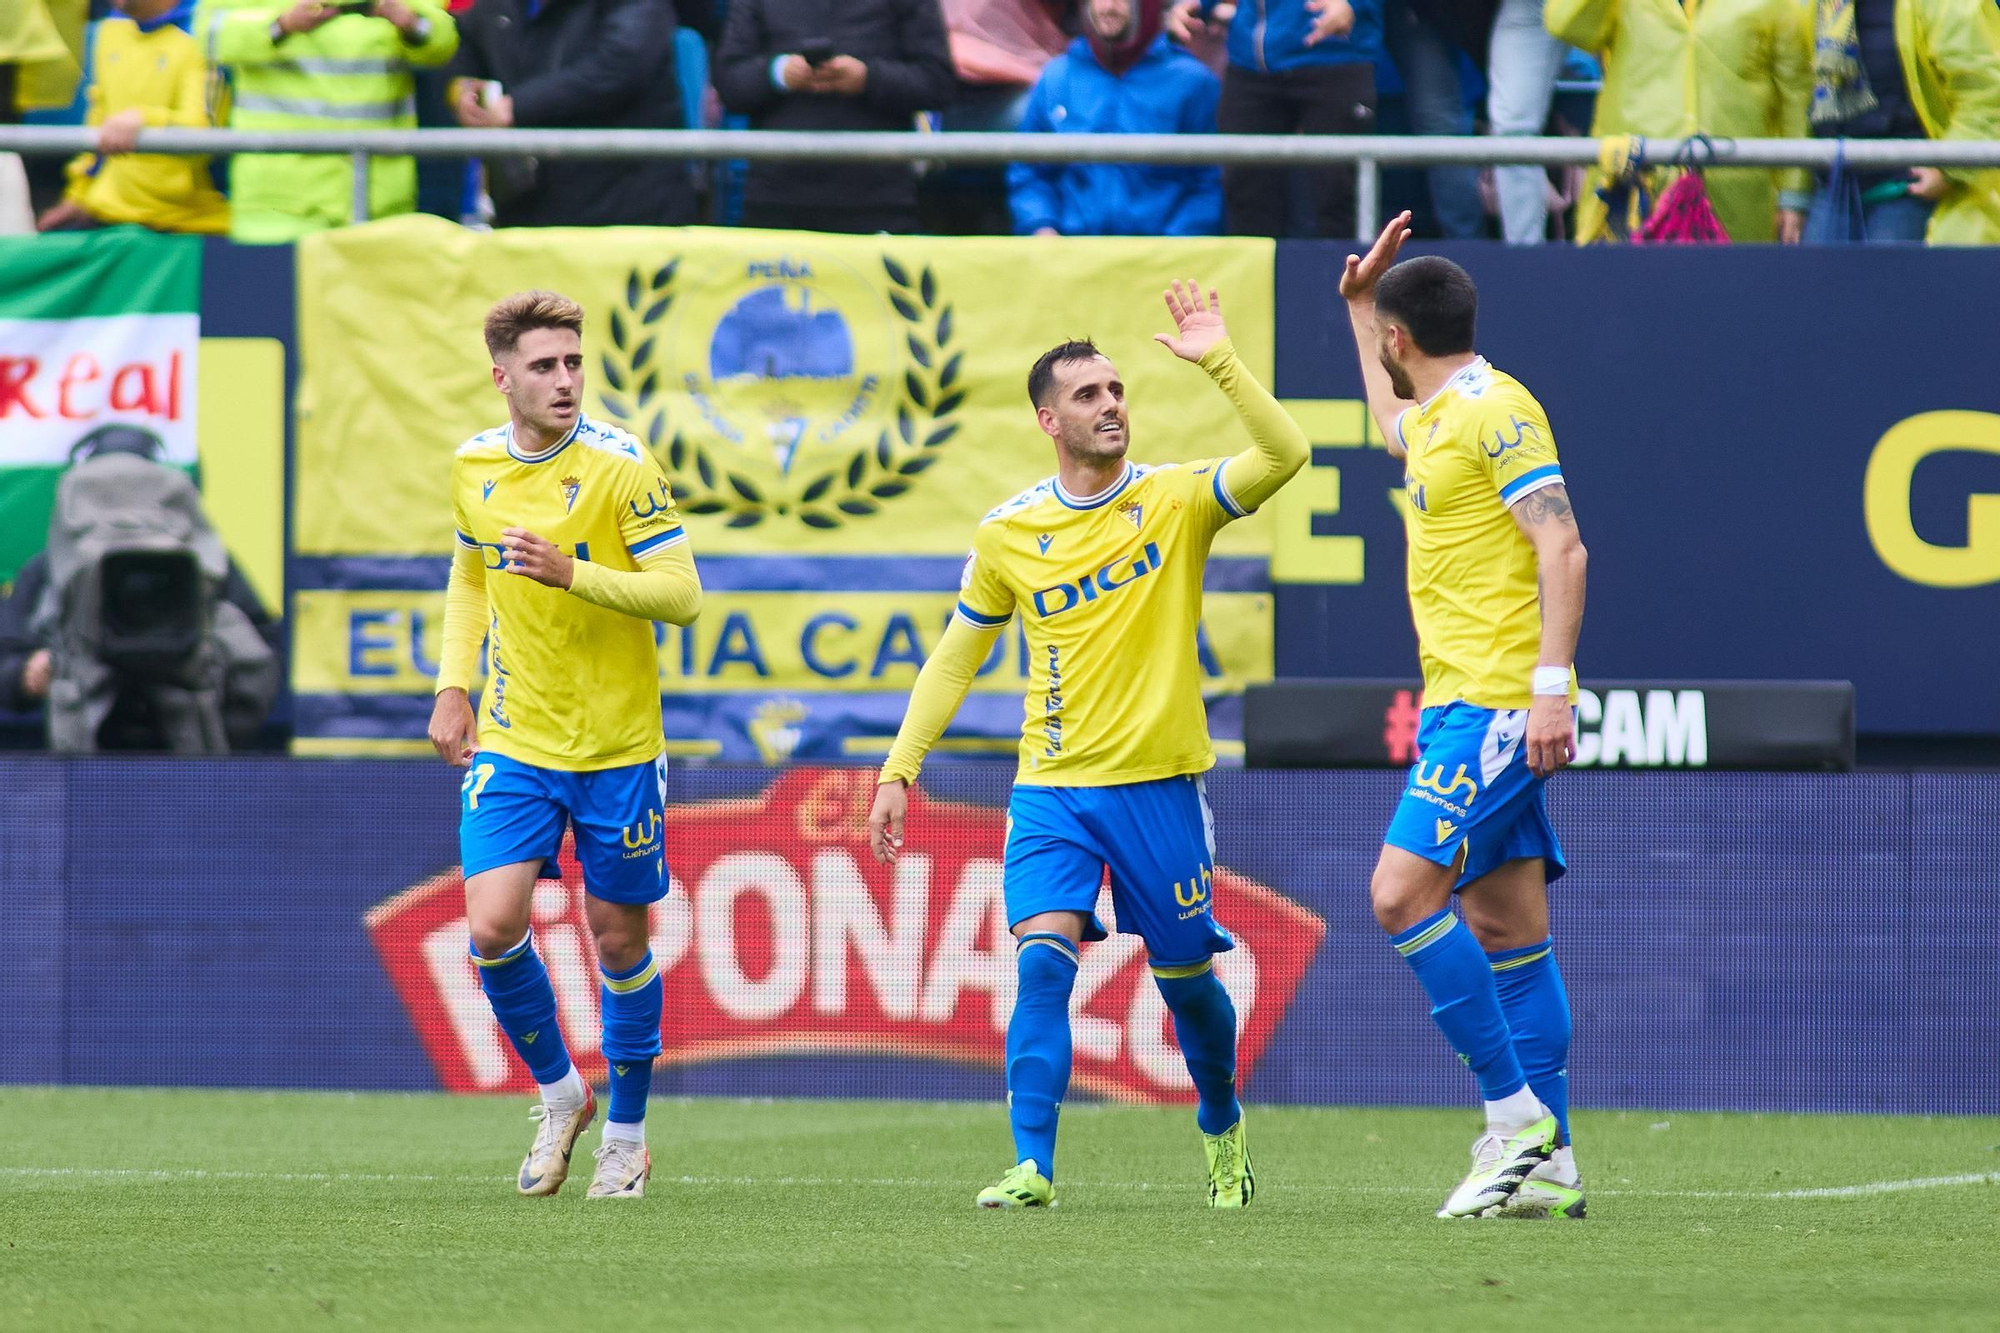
(1545, 518)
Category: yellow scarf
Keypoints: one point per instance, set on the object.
(1840, 83)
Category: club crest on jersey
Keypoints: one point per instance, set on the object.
(1045, 541)
(485, 491)
(1135, 511)
(571, 485)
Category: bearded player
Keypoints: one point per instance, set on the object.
(1496, 575)
(569, 548)
(1103, 562)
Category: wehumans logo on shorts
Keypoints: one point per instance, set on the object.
(640, 838)
(1193, 894)
(1434, 780)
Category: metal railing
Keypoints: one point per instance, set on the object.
(1367, 153)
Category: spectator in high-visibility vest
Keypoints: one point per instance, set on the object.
(144, 71)
(319, 66)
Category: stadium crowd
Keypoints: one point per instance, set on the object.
(1626, 69)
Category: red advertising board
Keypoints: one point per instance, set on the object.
(783, 936)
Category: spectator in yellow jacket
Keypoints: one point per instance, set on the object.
(39, 41)
(144, 71)
(1951, 65)
(1906, 69)
(1725, 68)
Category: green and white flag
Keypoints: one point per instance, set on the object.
(95, 327)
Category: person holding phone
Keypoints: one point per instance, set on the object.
(575, 64)
(320, 65)
(807, 65)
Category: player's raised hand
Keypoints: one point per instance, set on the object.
(885, 820)
(522, 552)
(1197, 320)
(453, 733)
(1551, 735)
(1358, 279)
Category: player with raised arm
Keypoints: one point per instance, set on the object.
(1103, 561)
(569, 548)
(1496, 575)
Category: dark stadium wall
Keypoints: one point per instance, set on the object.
(1794, 942)
(1786, 464)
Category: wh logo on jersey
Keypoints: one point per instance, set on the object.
(1055, 600)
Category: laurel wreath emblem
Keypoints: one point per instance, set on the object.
(702, 476)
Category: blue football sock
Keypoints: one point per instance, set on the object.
(1454, 972)
(1537, 1009)
(630, 1001)
(1205, 1025)
(517, 986)
(1038, 1046)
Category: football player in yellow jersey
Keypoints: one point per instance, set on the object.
(569, 548)
(1103, 562)
(1496, 575)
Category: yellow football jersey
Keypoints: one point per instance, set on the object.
(1478, 447)
(1109, 592)
(570, 685)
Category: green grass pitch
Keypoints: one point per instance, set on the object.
(215, 1210)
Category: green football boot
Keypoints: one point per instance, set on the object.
(1500, 1165)
(1023, 1186)
(1230, 1182)
(1552, 1190)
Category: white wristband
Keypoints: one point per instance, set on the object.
(1552, 680)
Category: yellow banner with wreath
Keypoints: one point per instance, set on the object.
(836, 414)
(807, 393)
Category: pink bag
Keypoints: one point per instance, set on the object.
(1683, 216)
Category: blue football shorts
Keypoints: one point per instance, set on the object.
(511, 812)
(1472, 801)
(1158, 840)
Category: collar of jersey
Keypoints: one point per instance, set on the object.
(542, 458)
(1477, 363)
(1103, 497)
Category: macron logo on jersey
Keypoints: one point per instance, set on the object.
(486, 490)
(1053, 601)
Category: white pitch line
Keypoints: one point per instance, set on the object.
(1889, 1186)
(839, 1182)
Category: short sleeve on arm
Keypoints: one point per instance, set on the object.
(984, 599)
(1517, 448)
(648, 518)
